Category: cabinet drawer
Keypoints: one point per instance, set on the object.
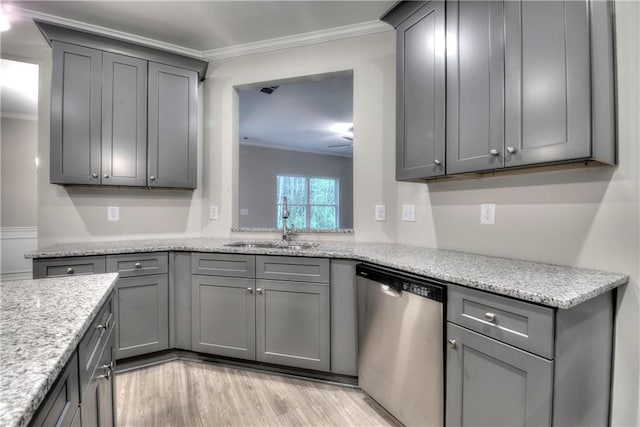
(300, 269)
(54, 267)
(91, 344)
(138, 264)
(227, 265)
(523, 325)
(61, 404)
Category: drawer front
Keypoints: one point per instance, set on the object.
(61, 404)
(299, 269)
(138, 264)
(523, 325)
(93, 340)
(227, 265)
(56, 267)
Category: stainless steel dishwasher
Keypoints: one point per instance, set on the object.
(401, 344)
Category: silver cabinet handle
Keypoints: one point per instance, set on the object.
(137, 265)
(152, 178)
(94, 175)
(107, 365)
(106, 376)
(512, 150)
(494, 152)
(259, 290)
(104, 325)
(250, 290)
(437, 162)
(490, 317)
(69, 270)
(452, 343)
(106, 175)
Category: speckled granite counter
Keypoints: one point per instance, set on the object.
(550, 285)
(41, 323)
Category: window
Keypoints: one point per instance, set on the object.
(313, 201)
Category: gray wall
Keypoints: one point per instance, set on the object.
(259, 168)
(18, 187)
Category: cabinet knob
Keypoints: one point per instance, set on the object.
(152, 178)
(107, 374)
(494, 152)
(250, 290)
(106, 175)
(259, 290)
(104, 325)
(512, 150)
(452, 343)
(490, 317)
(69, 270)
(437, 162)
(94, 175)
(137, 265)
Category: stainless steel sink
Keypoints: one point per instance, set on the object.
(293, 246)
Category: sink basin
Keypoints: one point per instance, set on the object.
(272, 245)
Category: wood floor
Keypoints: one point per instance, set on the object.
(187, 393)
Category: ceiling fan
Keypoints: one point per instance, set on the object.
(348, 138)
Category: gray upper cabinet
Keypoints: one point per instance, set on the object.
(124, 120)
(172, 126)
(121, 114)
(75, 114)
(420, 139)
(547, 85)
(475, 86)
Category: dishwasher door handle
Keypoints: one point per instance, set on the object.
(388, 290)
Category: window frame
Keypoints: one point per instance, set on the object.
(308, 205)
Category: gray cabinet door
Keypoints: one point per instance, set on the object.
(547, 87)
(60, 405)
(172, 126)
(293, 324)
(142, 315)
(224, 316)
(124, 120)
(75, 114)
(97, 406)
(420, 151)
(493, 384)
(475, 86)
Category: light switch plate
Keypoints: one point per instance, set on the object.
(488, 213)
(381, 213)
(213, 213)
(408, 212)
(113, 213)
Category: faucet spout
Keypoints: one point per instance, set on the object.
(285, 215)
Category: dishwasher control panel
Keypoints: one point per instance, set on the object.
(424, 287)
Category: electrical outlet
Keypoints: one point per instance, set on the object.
(213, 213)
(244, 211)
(113, 213)
(488, 213)
(408, 212)
(381, 213)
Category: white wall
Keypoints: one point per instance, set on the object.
(259, 168)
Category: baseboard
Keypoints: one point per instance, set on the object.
(15, 275)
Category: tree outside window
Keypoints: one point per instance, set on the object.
(313, 201)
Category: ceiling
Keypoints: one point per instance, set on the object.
(208, 25)
(300, 116)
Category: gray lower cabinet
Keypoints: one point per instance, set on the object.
(142, 315)
(491, 383)
(61, 404)
(98, 401)
(511, 363)
(420, 92)
(172, 126)
(224, 316)
(293, 324)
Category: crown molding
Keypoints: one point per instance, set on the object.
(269, 45)
(271, 146)
(296, 40)
(29, 15)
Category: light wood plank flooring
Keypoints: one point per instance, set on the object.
(187, 393)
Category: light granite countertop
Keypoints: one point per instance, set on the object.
(546, 284)
(41, 324)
